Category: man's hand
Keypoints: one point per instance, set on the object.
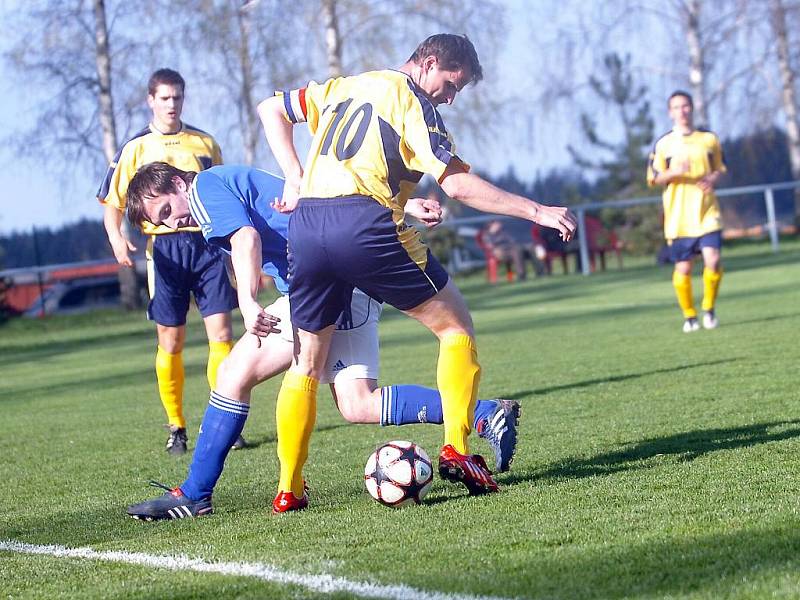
(258, 322)
(707, 182)
(291, 195)
(557, 217)
(426, 210)
(122, 249)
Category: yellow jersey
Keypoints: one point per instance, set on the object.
(190, 149)
(374, 134)
(688, 211)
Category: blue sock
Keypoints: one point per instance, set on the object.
(222, 424)
(407, 404)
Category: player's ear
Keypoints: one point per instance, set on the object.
(429, 62)
(179, 184)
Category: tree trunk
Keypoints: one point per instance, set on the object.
(128, 281)
(697, 66)
(252, 132)
(788, 95)
(333, 40)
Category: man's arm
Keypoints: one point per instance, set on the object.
(669, 175)
(112, 220)
(485, 197)
(280, 137)
(246, 260)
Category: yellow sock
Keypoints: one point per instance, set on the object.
(711, 280)
(169, 373)
(457, 375)
(295, 414)
(683, 290)
(217, 351)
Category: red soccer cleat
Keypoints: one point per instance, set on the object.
(469, 469)
(287, 501)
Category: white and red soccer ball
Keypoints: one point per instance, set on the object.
(398, 473)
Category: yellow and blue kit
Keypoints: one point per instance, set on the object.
(688, 211)
(179, 261)
(374, 136)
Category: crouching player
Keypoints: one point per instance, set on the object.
(233, 207)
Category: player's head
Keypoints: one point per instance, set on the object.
(159, 193)
(165, 97)
(680, 106)
(442, 65)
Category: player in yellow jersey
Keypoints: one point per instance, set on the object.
(688, 161)
(179, 261)
(374, 135)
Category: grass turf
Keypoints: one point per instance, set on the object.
(651, 463)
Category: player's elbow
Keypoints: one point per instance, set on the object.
(269, 107)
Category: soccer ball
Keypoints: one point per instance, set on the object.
(398, 473)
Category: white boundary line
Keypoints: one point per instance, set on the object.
(325, 584)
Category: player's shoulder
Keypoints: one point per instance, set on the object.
(664, 138)
(706, 133)
(138, 138)
(192, 130)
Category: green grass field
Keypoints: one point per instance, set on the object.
(651, 463)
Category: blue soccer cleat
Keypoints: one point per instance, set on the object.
(171, 505)
(500, 430)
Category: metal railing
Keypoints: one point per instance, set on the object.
(767, 190)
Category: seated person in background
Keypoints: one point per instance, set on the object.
(504, 247)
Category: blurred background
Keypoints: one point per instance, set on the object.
(573, 98)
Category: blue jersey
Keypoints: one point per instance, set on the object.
(224, 199)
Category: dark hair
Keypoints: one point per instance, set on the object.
(165, 77)
(677, 93)
(454, 52)
(151, 180)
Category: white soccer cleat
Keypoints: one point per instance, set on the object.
(710, 320)
(690, 325)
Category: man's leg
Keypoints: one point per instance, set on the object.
(682, 282)
(296, 409)
(170, 376)
(220, 342)
(362, 401)
(458, 371)
(712, 276)
(248, 364)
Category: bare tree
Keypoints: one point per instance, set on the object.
(128, 281)
(333, 39)
(65, 48)
(778, 22)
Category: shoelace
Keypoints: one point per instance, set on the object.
(158, 484)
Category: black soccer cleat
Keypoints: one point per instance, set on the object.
(239, 443)
(177, 441)
(171, 505)
(500, 430)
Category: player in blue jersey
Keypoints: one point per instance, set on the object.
(233, 208)
(374, 136)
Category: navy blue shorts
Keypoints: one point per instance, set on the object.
(341, 243)
(183, 263)
(686, 248)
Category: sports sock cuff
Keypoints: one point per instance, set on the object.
(459, 339)
(162, 351)
(220, 345)
(708, 273)
(220, 402)
(387, 400)
(300, 382)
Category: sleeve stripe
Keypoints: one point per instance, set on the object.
(294, 103)
(196, 207)
(287, 105)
